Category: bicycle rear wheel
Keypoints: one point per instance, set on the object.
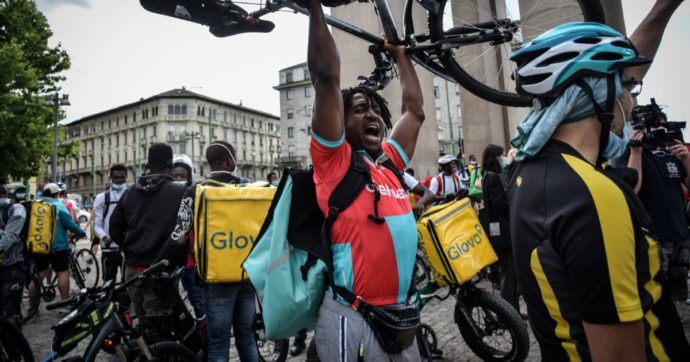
(503, 26)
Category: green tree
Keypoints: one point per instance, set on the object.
(29, 69)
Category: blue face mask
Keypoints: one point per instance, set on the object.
(119, 187)
(616, 145)
(504, 163)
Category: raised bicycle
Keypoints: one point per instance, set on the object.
(458, 40)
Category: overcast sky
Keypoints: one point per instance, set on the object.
(121, 52)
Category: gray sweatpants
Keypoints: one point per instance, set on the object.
(340, 330)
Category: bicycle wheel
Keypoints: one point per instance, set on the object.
(89, 268)
(269, 351)
(479, 36)
(492, 328)
(13, 345)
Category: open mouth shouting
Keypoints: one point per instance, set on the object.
(372, 132)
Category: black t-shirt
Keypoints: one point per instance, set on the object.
(582, 254)
(662, 195)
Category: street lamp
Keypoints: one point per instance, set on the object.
(55, 101)
(192, 136)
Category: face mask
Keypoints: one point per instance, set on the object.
(180, 182)
(473, 162)
(616, 145)
(20, 196)
(504, 163)
(274, 183)
(119, 187)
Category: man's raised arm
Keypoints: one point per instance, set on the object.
(324, 69)
(406, 130)
(648, 34)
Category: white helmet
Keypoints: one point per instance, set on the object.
(447, 159)
(185, 161)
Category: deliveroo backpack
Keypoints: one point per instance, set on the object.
(227, 220)
(290, 263)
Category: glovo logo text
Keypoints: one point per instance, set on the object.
(40, 225)
(221, 240)
(463, 247)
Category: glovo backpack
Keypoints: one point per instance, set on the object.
(454, 242)
(227, 220)
(39, 228)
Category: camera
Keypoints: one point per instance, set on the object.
(657, 131)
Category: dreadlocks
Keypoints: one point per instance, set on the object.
(348, 93)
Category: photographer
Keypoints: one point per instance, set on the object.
(663, 162)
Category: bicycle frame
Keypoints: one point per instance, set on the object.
(417, 53)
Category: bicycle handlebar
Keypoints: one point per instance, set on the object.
(60, 304)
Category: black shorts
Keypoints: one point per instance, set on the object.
(58, 260)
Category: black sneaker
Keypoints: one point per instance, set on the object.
(297, 348)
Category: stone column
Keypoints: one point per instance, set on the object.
(355, 60)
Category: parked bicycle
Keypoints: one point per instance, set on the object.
(83, 266)
(103, 313)
(457, 40)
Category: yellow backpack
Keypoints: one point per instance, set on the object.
(227, 220)
(39, 226)
(454, 242)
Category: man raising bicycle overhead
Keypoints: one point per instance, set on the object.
(374, 241)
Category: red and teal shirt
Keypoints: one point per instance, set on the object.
(374, 261)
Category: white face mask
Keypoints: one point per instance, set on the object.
(119, 187)
(616, 145)
(180, 182)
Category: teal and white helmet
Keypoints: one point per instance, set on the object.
(554, 60)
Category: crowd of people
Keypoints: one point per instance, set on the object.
(589, 221)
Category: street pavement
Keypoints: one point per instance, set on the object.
(437, 314)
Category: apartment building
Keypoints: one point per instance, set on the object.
(185, 120)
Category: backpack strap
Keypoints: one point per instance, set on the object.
(107, 207)
(6, 213)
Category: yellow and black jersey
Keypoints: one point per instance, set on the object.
(583, 254)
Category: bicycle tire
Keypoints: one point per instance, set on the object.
(89, 267)
(501, 316)
(502, 90)
(271, 351)
(13, 344)
(172, 351)
(312, 355)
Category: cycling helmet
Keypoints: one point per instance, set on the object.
(446, 159)
(184, 161)
(62, 186)
(556, 59)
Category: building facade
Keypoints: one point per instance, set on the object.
(448, 116)
(296, 107)
(185, 120)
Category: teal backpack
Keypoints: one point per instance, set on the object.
(289, 263)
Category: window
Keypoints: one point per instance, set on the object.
(183, 148)
(307, 91)
(117, 141)
(290, 94)
(290, 113)
(171, 130)
(178, 110)
(134, 117)
(171, 109)
(288, 76)
(437, 92)
(244, 154)
(306, 73)
(126, 156)
(234, 136)
(308, 111)
(154, 132)
(291, 132)
(252, 122)
(308, 130)
(225, 134)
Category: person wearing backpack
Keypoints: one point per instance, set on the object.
(103, 207)
(229, 306)
(141, 223)
(447, 185)
(12, 218)
(373, 243)
(58, 258)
